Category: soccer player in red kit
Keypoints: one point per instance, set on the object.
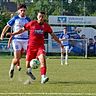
(36, 47)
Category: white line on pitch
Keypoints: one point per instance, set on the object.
(76, 94)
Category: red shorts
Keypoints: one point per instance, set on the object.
(34, 52)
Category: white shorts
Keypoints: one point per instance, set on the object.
(65, 49)
(19, 44)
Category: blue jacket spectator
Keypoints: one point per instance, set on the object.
(91, 47)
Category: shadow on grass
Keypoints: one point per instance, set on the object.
(72, 82)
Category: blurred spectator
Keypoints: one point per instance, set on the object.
(74, 36)
(91, 47)
(83, 43)
(78, 30)
(83, 36)
(94, 39)
(95, 43)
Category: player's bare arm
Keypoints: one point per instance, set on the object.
(9, 42)
(4, 31)
(63, 39)
(18, 32)
(55, 38)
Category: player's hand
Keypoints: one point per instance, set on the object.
(9, 34)
(8, 46)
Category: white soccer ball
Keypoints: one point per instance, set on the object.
(34, 63)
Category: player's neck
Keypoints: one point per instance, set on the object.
(41, 23)
(22, 16)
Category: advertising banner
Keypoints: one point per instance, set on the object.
(72, 20)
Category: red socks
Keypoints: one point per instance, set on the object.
(43, 71)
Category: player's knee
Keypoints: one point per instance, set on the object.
(43, 63)
(27, 64)
(16, 60)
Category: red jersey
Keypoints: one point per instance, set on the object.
(36, 37)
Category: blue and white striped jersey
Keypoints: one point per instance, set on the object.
(17, 23)
(66, 37)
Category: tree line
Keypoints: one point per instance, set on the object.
(55, 7)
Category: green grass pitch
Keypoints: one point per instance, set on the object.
(76, 79)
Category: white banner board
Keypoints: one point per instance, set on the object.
(72, 20)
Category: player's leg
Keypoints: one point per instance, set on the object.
(43, 67)
(29, 70)
(62, 56)
(24, 48)
(31, 54)
(66, 54)
(18, 66)
(15, 60)
(24, 44)
(17, 56)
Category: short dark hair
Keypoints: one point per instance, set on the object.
(21, 6)
(65, 27)
(94, 36)
(90, 38)
(83, 35)
(42, 12)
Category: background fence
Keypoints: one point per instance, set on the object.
(77, 47)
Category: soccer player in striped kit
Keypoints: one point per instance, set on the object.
(64, 50)
(19, 41)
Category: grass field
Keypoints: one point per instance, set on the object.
(76, 79)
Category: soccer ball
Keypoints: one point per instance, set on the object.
(34, 63)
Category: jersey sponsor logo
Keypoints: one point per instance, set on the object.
(39, 31)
